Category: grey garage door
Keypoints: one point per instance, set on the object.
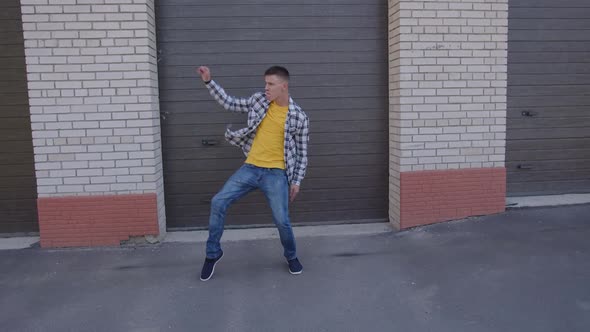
(18, 190)
(548, 125)
(336, 52)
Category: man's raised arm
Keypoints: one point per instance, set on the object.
(240, 105)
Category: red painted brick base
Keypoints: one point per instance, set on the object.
(96, 220)
(432, 196)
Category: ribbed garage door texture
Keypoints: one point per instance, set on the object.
(548, 122)
(336, 52)
(18, 190)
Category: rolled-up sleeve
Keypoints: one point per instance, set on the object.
(234, 104)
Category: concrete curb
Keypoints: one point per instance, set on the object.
(18, 242)
(246, 234)
(550, 200)
(271, 232)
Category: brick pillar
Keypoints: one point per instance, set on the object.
(448, 63)
(93, 91)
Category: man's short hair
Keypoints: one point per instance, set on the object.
(279, 71)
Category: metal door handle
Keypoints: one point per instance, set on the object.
(528, 113)
(209, 142)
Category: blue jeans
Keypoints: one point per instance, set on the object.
(275, 186)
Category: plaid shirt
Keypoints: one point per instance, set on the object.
(296, 128)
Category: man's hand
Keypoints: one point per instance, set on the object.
(205, 73)
(293, 192)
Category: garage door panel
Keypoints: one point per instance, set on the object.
(10, 10)
(282, 9)
(17, 206)
(543, 3)
(548, 144)
(548, 151)
(16, 122)
(269, 34)
(550, 24)
(271, 56)
(528, 101)
(184, 145)
(20, 227)
(185, 173)
(18, 189)
(553, 133)
(306, 195)
(548, 112)
(319, 217)
(183, 165)
(324, 115)
(10, 26)
(336, 53)
(11, 111)
(548, 35)
(230, 71)
(214, 23)
(557, 10)
(559, 90)
(326, 126)
(538, 122)
(14, 158)
(261, 207)
(13, 86)
(14, 62)
(550, 79)
(254, 46)
(541, 154)
(549, 57)
(24, 183)
(546, 46)
(317, 150)
(320, 127)
(548, 165)
(217, 117)
(556, 68)
(276, 2)
(318, 104)
(318, 138)
(563, 175)
(11, 51)
(253, 82)
(15, 98)
(16, 135)
(12, 74)
(317, 172)
(17, 149)
(310, 92)
(343, 183)
(10, 38)
(365, 92)
(548, 3)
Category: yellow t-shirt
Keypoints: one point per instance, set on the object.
(269, 143)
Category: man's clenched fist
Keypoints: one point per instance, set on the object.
(293, 192)
(205, 73)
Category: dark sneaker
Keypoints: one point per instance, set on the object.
(294, 266)
(209, 267)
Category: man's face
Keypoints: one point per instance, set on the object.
(275, 87)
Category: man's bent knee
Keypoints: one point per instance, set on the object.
(219, 204)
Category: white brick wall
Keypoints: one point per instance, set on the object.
(93, 92)
(448, 64)
(395, 121)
